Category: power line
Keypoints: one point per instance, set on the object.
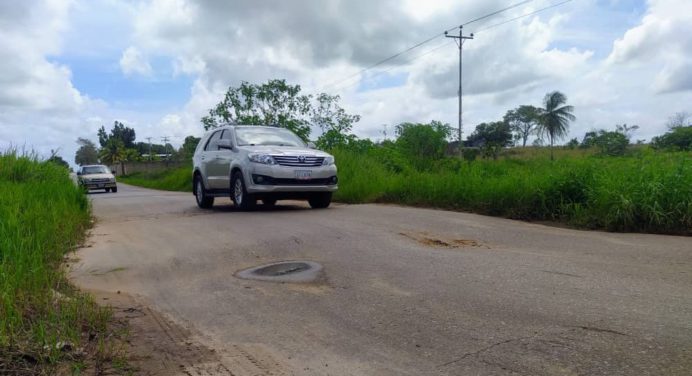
(493, 13)
(424, 42)
(522, 16)
(338, 83)
(414, 58)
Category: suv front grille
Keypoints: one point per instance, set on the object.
(298, 161)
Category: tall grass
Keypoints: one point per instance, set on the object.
(179, 179)
(649, 192)
(43, 215)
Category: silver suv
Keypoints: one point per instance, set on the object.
(250, 163)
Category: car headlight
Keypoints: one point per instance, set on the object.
(261, 158)
(328, 161)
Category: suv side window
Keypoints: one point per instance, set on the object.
(211, 144)
(227, 135)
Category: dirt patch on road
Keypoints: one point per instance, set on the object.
(440, 242)
(156, 345)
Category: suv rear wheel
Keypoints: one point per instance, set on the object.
(320, 200)
(239, 195)
(203, 201)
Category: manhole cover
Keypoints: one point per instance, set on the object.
(286, 271)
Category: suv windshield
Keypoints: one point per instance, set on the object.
(95, 170)
(267, 136)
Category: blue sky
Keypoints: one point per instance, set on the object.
(70, 66)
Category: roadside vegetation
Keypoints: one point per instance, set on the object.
(179, 179)
(45, 323)
(643, 192)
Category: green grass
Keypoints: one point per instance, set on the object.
(645, 191)
(43, 216)
(179, 179)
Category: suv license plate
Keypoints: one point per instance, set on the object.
(304, 175)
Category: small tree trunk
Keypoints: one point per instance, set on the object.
(551, 150)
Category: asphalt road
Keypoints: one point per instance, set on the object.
(404, 291)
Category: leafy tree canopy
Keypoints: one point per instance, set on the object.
(423, 140)
(491, 137)
(187, 150)
(523, 121)
(87, 153)
(281, 104)
(678, 138)
(272, 103)
(120, 132)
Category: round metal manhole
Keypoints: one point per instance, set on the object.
(286, 271)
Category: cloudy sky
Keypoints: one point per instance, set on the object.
(68, 67)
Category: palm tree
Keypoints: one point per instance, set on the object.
(113, 152)
(555, 117)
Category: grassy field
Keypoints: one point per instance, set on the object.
(43, 319)
(168, 180)
(645, 191)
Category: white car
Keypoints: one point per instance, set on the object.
(250, 163)
(97, 177)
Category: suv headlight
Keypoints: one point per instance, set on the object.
(328, 161)
(261, 158)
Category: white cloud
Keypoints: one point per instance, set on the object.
(663, 39)
(133, 62)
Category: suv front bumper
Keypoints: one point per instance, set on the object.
(276, 178)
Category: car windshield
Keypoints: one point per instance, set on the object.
(267, 136)
(95, 170)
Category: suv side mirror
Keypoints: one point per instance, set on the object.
(312, 145)
(113, 172)
(224, 144)
(79, 173)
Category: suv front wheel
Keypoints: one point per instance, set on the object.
(239, 195)
(320, 200)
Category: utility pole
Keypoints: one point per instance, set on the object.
(150, 156)
(165, 147)
(460, 42)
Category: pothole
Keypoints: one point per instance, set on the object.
(286, 271)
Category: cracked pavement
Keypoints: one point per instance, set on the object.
(405, 291)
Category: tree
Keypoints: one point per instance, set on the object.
(55, 158)
(423, 141)
(334, 122)
(626, 130)
(187, 150)
(611, 142)
(491, 137)
(114, 152)
(523, 121)
(679, 119)
(555, 118)
(572, 144)
(87, 153)
(679, 138)
(272, 103)
(121, 132)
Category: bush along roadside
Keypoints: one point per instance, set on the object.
(46, 325)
